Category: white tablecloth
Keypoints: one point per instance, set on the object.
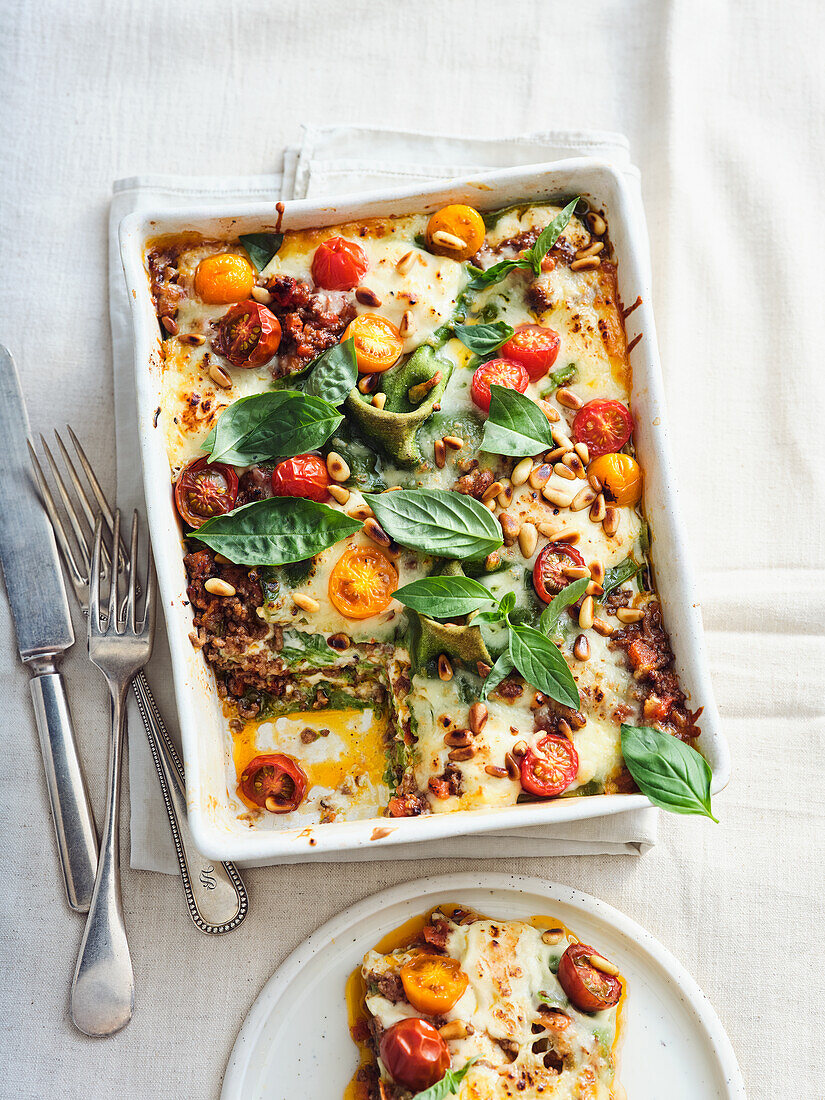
(723, 106)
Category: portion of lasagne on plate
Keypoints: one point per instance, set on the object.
(485, 1009)
(402, 451)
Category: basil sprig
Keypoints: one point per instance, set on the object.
(444, 597)
(437, 521)
(276, 531)
(673, 775)
(333, 374)
(447, 1086)
(261, 247)
(618, 575)
(515, 425)
(272, 425)
(549, 620)
(532, 261)
(484, 339)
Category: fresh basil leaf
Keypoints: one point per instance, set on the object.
(333, 374)
(560, 377)
(437, 521)
(549, 235)
(673, 775)
(566, 598)
(444, 597)
(493, 616)
(494, 274)
(276, 531)
(501, 669)
(261, 247)
(618, 575)
(508, 602)
(447, 1086)
(541, 665)
(265, 426)
(515, 426)
(484, 339)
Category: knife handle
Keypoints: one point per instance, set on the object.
(71, 810)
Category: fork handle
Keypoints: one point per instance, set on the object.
(71, 810)
(215, 894)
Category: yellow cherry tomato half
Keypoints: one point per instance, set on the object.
(433, 983)
(362, 582)
(621, 477)
(224, 278)
(456, 231)
(378, 343)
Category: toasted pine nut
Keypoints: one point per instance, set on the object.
(564, 471)
(597, 223)
(561, 440)
(568, 537)
(552, 936)
(219, 376)
(597, 571)
(405, 263)
(453, 1029)
(462, 754)
(491, 491)
(586, 614)
(582, 451)
(603, 628)
(406, 325)
(595, 482)
(440, 453)
(496, 771)
(549, 530)
(306, 603)
(519, 749)
(339, 641)
(594, 589)
(366, 296)
(454, 442)
(379, 400)
(337, 467)
(629, 614)
(521, 471)
(604, 965)
(565, 729)
(369, 383)
(217, 587)
(222, 559)
(583, 499)
(170, 324)
(598, 509)
(576, 572)
(374, 531)
(458, 739)
(581, 648)
(490, 504)
(193, 339)
(338, 492)
(478, 717)
(555, 496)
(539, 476)
(610, 523)
(261, 295)
(548, 410)
(587, 264)
(361, 511)
(445, 669)
(417, 393)
(592, 250)
(510, 528)
(448, 240)
(511, 766)
(505, 497)
(528, 538)
(566, 397)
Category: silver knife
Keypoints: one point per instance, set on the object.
(40, 610)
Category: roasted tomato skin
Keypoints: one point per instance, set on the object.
(339, 264)
(604, 425)
(548, 578)
(248, 334)
(224, 278)
(362, 582)
(552, 769)
(204, 490)
(534, 347)
(456, 231)
(497, 372)
(274, 782)
(378, 343)
(433, 983)
(302, 476)
(586, 987)
(621, 477)
(414, 1053)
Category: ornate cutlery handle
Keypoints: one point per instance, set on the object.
(215, 893)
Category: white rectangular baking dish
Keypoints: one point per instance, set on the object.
(214, 821)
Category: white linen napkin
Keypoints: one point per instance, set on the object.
(333, 160)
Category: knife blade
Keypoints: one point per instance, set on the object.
(43, 626)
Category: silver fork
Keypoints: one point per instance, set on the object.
(103, 990)
(216, 897)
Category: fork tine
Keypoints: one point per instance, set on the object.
(94, 484)
(85, 503)
(94, 579)
(150, 606)
(115, 576)
(54, 517)
(130, 602)
(71, 510)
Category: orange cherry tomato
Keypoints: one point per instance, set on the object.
(433, 983)
(274, 782)
(224, 278)
(535, 347)
(339, 264)
(414, 1053)
(302, 476)
(497, 372)
(378, 343)
(604, 425)
(621, 477)
(550, 770)
(203, 491)
(456, 231)
(248, 335)
(589, 989)
(362, 582)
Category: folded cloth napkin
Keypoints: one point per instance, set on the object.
(333, 160)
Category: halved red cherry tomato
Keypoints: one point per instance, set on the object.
(274, 782)
(248, 335)
(414, 1053)
(497, 372)
(548, 572)
(605, 426)
(362, 582)
(302, 476)
(535, 347)
(433, 983)
(589, 989)
(339, 264)
(203, 491)
(552, 769)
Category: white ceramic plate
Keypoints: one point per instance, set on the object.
(295, 1040)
